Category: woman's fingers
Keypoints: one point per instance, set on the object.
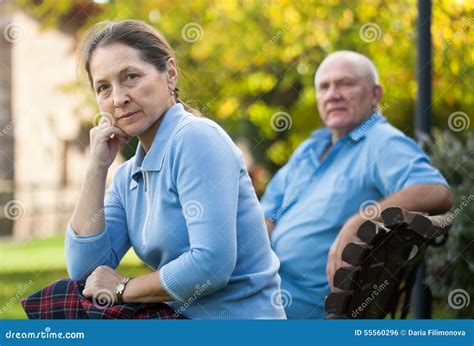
(105, 122)
(102, 278)
(118, 133)
(104, 133)
(105, 141)
(123, 134)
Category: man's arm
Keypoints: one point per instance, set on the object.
(431, 199)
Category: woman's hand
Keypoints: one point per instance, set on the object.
(105, 141)
(101, 284)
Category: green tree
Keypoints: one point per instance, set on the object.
(243, 61)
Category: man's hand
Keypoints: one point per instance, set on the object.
(432, 199)
(348, 234)
(101, 284)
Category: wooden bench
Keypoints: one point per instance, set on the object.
(383, 268)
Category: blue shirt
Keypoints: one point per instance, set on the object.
(189, 210)
(310, 200)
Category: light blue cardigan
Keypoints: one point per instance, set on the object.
(189, 210)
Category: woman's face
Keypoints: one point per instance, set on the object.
(129, 90)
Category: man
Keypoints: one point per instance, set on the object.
(342, 175)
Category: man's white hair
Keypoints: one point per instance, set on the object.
(364, 65)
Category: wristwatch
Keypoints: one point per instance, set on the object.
(120, 288)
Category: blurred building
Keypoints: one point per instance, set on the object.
(43, 126)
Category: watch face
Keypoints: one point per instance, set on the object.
(120, 287)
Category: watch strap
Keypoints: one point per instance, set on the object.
(119, 292)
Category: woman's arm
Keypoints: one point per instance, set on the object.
(142, 289)
(88, 215)
(84, 253)
(90, 240)
(206, 170)
(146, 289)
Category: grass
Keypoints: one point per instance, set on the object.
(29, 266)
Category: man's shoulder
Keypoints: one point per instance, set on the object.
(384, 133)
(310, 142)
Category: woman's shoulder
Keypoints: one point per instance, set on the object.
(202, 134)
(199, 124)
(193, 127)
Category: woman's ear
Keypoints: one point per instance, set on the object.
(172, 73)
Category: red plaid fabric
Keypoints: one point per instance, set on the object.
(63, 299)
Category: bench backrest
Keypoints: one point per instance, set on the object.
(382, 268)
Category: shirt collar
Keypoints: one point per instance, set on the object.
(322, 133)
(361, 130)
(153, 160)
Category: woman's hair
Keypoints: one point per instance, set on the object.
(151, 44)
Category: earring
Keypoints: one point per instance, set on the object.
(174, 92)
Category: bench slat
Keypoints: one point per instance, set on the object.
(381, 268)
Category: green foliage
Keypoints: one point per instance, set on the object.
(451, 265)
(246, 60)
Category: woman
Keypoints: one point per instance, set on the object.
(184, 202)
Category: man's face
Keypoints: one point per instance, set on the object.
(344, 96)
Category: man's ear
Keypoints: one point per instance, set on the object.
(377, 94)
